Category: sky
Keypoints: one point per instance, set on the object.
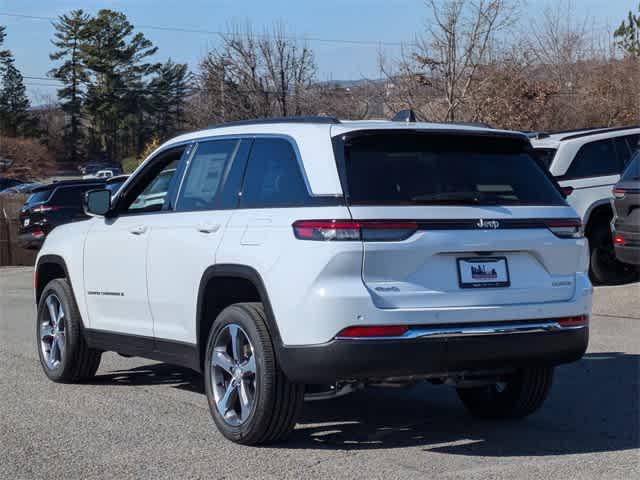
(381, 24)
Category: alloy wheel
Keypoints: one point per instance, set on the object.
(233, 374)
(52, 332)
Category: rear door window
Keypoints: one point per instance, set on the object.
(444, 169)
(595, 159)
(273, 177)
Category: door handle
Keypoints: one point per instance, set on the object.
(208, 228)
(139, 230)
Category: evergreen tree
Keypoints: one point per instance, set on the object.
(14, 104)
(169, 91)
(627, 35)
(68, 38)
(3, 53)
(117, 58)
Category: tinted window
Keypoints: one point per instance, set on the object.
(152, 197)
(545, 155)
(595, 159)
(71, 196)
(228, 197)
(273, 177)
(417, 169)
(632, 142)
(205, 173)
(114, 186)
(632, 172)
(39, 197)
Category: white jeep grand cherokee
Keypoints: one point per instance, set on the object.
(292, 253)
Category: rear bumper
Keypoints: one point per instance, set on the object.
(630, 252)
(360, 359)
(630, 255)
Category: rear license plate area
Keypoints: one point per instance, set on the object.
(483, 272)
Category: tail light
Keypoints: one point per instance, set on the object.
(45, 208)
(373, 331)
(37, 233)
(619, 192)
(618, 240)
(353, 230)
(567, 228)
(577, 321)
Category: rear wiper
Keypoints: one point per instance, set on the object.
(466, 197)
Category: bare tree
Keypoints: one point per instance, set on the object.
(560, 42)
(256, 75)
(444, 61)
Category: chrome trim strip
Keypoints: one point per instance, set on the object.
(475, 330)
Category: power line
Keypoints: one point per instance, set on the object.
(221, 33)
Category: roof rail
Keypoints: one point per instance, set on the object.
(470, 124)
(261, 121)
(586, 133)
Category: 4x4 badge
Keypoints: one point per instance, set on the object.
(493, 224)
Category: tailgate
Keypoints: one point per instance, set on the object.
(425, 270)
(478, 221)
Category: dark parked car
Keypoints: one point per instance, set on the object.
(21, 188)
(91, 168)
(114, 183)
(52, 205)
(626, 219)
(6, 182)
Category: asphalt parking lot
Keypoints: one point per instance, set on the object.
(143, 419)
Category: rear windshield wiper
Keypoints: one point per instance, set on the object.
(468, 198)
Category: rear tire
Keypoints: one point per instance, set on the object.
(520, 395)
(64, 354)
(604, 267)
(265, 404)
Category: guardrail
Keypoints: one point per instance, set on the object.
(10, 252)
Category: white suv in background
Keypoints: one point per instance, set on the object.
(309, 257)
(587, 164)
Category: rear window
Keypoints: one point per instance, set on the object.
(632, 173)
(544, 156)
(39, 197)
(444, 169)
(72, 196)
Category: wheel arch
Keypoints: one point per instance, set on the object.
(49, 267)
(597, 211)
(238, 272)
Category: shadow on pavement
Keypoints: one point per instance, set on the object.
(593, 407)
(154, 374)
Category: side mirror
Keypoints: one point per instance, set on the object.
(97, 203)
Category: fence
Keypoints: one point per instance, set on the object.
(10, 252)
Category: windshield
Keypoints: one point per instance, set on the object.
(444, 169)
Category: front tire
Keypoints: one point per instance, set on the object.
(63, 351)
(521, 394)
(250, 399)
